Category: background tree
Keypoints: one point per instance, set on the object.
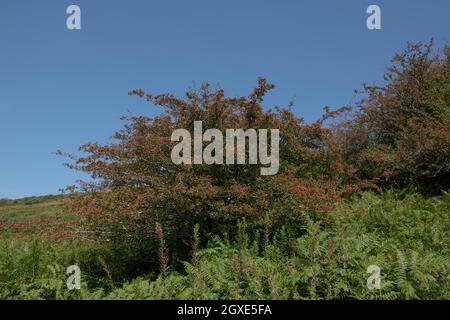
(399, 133)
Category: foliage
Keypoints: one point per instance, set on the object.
(136, 186)
(408, 238)
(406, 235)
(145, 228)
(400, 133)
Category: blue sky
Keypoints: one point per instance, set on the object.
(61, 88)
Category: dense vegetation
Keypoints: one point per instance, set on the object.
(364, 185)
(406, 235)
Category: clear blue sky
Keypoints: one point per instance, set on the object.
(61, 88)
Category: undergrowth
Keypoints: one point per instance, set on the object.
(405, 234)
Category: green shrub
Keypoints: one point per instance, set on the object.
(405, 234)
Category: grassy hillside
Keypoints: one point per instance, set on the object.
(32, 216)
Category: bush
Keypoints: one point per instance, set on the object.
(400, 133)
(406, 237)
(306, 240)
(136, 186)
(33, 269)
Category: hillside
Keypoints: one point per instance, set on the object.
(33, 216)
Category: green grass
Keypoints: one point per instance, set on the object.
(406, 235)
(21, 212)
(16, 214)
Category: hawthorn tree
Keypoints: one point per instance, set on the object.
(135, 185)
(399, 133)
